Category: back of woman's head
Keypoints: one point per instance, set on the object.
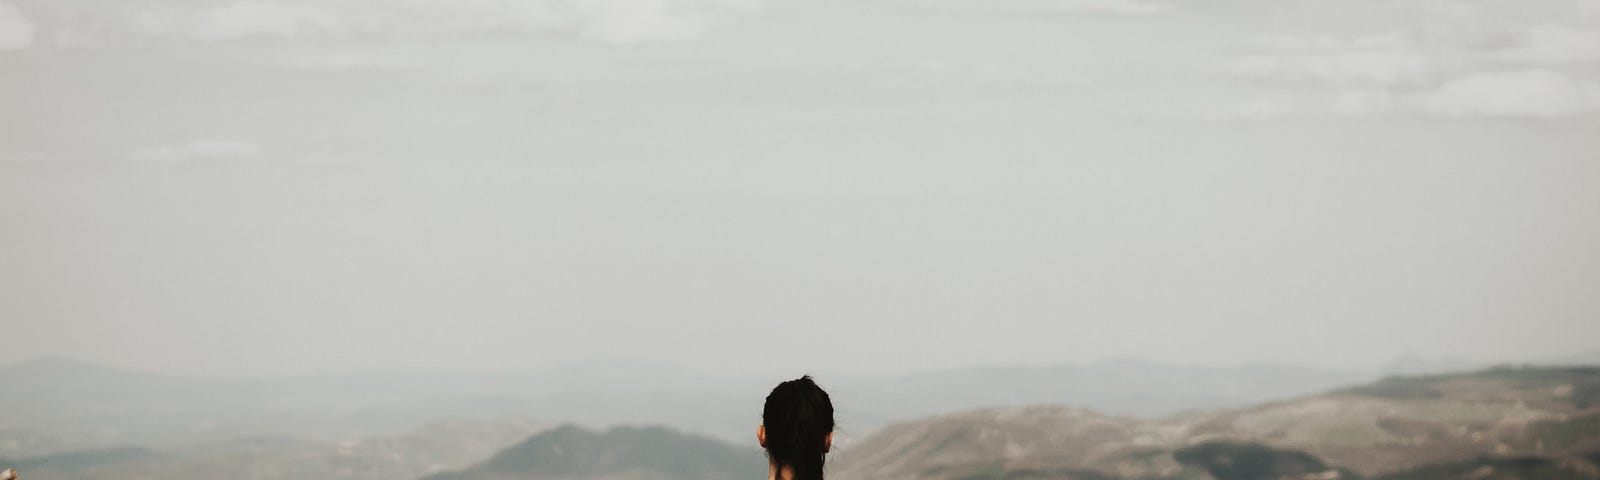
(797, 428)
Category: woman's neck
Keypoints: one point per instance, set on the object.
(774, 474)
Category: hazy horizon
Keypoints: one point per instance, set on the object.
(1406, 363)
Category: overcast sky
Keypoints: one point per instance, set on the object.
(746, 186)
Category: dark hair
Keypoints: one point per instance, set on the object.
(798, 418)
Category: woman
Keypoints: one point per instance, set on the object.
(796, 430)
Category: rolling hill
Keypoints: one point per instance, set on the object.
(631, 453)
(1497, 424)
(1504, 420)
(437, 447)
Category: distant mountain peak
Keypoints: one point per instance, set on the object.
(574, 452)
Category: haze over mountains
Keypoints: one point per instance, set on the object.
(76, 420)
(1534, 423)
(56, 405)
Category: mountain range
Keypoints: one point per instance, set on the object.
(1502, 423)
(1494, 420)
(56, 405)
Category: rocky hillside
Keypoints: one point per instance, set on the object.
(1495, 422)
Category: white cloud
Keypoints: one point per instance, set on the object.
(1128, 7)
(238, 20)
(1020, 7)
(1550, 44)
(1315, 43)
(1468, 58)
(608, 21)
(16, 32)
(197, 151)
(1345, 103)
(1519, 93)
(1377, 66)
(641, 21)
(1392, 58)
(1535, 94)
(261, 19)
